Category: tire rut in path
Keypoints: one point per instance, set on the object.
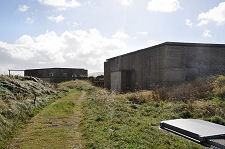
(76, 142)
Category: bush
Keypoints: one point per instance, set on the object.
(202, 88)
(138, 97)
(217, 119)
(219, 86)
(127, 121)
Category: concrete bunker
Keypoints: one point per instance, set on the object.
(165, 64)
(57, 75)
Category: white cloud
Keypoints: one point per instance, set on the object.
(56, 19)
(207, 34)
(143, 33)
(203, 22)
(75, 24)
(79, 48)
(189, 23)
(163, 5)
(61, 9)
(23, 8)
(120, 35)
(60, 4)
(126, 2)
(30, 20)
(216, 14)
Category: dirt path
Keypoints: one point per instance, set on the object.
(54, 127)
(76, 142)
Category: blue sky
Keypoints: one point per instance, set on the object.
(83, 33)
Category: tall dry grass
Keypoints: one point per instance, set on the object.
(219, 86)
(138, 97)
(78, 84)
(202, 88)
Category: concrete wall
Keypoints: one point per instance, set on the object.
(139, 70)
(164, 64)
(185, 63)
(107, 77)
(57, 75)
(116, 80)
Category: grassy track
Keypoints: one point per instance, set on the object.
(17, 96)
(54, 127)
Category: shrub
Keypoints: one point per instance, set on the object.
(138, 97)
(217, 119)
(201, 88)
(219, 86)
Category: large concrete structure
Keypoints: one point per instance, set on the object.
(164, 64)
(57, 75)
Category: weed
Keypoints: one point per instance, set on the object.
(17, 104)
(131, 120)
(127, 121)
(51, 128)
(219, 86)
(78, 84)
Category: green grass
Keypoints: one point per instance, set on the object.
(52, 139)
(17, 103)
(78, 84)
(51, 128)
(114, 122)
(61, 109)
(129, 120)
(132, 120)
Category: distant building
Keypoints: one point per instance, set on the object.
(57, 75)
(97, 81)
(164, 64)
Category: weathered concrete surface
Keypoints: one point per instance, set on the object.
(116, 80)
(165, 64)
(57, 75)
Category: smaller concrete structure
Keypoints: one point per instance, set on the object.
(57, 75)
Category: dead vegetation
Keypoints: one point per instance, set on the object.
(138, 97)
(202, 88)
(128, 120)
(202, 98)
(17, 96)
(131, 120)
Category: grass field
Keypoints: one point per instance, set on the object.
(132, 120)
(91, 117)
(53, 127)
(17, 106)
(114, 122)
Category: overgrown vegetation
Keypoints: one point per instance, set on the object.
(110, 120)
(76, 84)
(53, 127)
(17, 96)
(202, 88)
(131, 120)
